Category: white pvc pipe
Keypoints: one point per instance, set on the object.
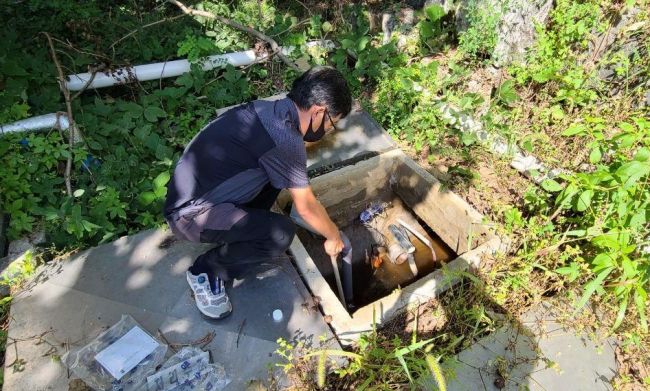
(47, 121)
(157, 70)
(174, 68)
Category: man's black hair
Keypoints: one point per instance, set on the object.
(324, 86)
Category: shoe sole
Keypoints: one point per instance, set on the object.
(206, 317)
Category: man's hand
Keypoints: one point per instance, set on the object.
(315, 215)
(333, 246)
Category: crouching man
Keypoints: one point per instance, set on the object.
(230, 175)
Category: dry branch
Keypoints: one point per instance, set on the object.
(68, 106)
(275, 48)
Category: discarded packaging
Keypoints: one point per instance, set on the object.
(189, 369)
(119, 359)
(374, 209)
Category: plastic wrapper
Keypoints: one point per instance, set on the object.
(84, 364)
(189, 369)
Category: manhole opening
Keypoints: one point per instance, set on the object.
(375, 274)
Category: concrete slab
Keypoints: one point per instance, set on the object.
(70, 302)
(538, 353)
(360, 137)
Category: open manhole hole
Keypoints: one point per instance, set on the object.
(383, 289)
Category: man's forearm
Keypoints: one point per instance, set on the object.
(316, 216)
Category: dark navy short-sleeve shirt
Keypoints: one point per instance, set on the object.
(237, 154)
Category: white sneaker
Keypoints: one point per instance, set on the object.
(213, 305)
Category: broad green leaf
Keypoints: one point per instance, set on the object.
(556, 112)
(631, 172)
(426, 29)
(347, 43)
(572, 271)
(160, 192)
(88, 226)
(642, 155)
(163, 152)
(584, 201)
(101, 108)
(603, 261)
(142, 132)
(595, 155)
(78, 193)
(434, 12)
(639, 219)
(551, 185)
(152, 113)
(134, 109)
(107, 236)
(629, 268)
(565, 198)
(362, 43)
(626, 127)
(574, 130)
(94, 145)
(147, 198)
(607, 240)
(626, 140)
(591, 287)
(161, 180)
(628, 249)
(51, 214)
(11, 68)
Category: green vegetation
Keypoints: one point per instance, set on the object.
(579, 236)
(479, 39)
(131, 134)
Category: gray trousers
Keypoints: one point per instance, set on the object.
(259, 236)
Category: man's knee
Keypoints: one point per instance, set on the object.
(176, 229)
(282, 232)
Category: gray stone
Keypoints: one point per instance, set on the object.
(17, 248)
(603, 41)
(70, 302)
(516, 31)
(536, 353)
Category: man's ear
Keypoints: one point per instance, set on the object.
(316, 109)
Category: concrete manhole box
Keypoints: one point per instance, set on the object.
(391, 175)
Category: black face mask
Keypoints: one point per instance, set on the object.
(313, 136)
